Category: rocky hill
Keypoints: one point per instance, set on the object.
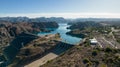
(26, 48)
(9, 30)
(83, 29)
(13, 29)
(39, 19)
(86, 56)
(85, 24)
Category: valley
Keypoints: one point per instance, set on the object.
(34, 44)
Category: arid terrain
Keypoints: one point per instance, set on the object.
(22, 47)
(81, 56)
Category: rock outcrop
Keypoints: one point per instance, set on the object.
(9, 30)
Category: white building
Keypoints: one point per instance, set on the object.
(93, 41)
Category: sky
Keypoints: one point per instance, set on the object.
(60, 8)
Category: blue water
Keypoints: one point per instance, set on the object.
(62, 30)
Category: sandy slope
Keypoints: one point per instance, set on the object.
(42, 60)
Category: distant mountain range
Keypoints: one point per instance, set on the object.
(55, 19)
(97, 19)
(26, 19)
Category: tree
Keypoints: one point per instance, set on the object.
(94, 53)
(108, 49)
(85, 60)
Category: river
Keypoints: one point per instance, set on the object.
(62, 30)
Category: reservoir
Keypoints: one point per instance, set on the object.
(11, 51)
(62, 30)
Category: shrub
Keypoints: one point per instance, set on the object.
(108, 50)
(94, 53)
(103, 65)
(98, 49)
(48, 61)
(96, 62)
(78, 48)
(85, 60)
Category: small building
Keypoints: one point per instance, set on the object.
(93, 41)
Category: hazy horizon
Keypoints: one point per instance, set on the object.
(65, 15)
(60, 8)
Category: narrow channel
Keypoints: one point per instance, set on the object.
(62, 30)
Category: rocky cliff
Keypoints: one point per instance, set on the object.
(9, 30)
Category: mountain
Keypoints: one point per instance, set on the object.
(9, 31)
(14, 19)
(96, 19)
(84, 24)
(40, 19)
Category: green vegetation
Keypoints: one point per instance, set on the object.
(76, 33)
(87, 56)
(87, 43)
(95, 52)
(85, 60)
(84, 25)
(108, 50)
(117, 36)
(81, 55)
(103, 65)
(88, 29)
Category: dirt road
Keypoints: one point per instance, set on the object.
(42, 60)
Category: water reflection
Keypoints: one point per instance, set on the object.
(62, 30)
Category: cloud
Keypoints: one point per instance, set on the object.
(66, 15)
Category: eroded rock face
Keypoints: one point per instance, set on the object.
(16, 28)
(14, 35)
(9, 30)
(17, 43)
(27, 47)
